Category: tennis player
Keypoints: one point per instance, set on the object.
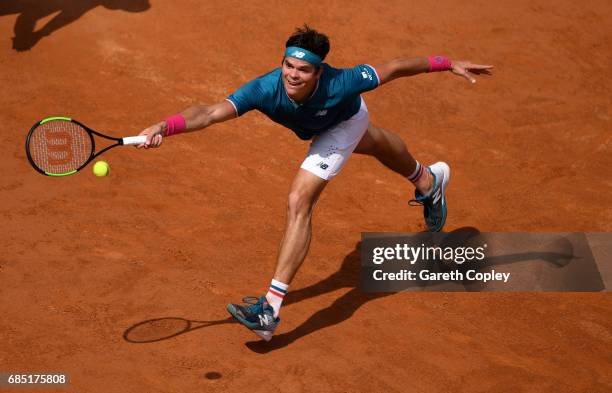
(322, 104)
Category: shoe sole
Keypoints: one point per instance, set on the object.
(445, 170)
(264, 334)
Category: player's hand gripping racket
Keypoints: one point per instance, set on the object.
(60, 146)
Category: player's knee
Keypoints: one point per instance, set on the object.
(299, 204)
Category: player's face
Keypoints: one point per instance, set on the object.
(299, 78)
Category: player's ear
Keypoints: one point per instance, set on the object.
(319, 72)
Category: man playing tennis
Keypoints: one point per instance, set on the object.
(323, 104)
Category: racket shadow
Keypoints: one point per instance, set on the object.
(160, 329)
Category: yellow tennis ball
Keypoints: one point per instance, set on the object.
(101, 169)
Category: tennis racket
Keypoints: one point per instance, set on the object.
(61, 146)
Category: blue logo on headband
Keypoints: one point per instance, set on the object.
(303, 54)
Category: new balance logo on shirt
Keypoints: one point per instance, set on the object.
(322, 112)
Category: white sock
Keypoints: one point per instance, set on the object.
(418, 172)
(276, 294)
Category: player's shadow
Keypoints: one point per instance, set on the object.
(348, 276)
(31, 11)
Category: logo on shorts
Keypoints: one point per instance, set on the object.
(322, 112)
(298, 54)
(323, 165)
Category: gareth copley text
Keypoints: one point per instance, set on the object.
(426, 275)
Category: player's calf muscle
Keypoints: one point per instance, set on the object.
(388, 148)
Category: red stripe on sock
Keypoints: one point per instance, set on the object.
(276, 293)
(418, 176)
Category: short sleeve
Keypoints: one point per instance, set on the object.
(247, 97)
(360, 79)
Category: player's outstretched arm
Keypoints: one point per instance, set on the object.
(196, 118)
(407, 67)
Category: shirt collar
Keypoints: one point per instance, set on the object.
(298, 104)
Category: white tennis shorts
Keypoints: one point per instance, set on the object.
(329, 152)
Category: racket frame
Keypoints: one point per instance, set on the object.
(90, 132)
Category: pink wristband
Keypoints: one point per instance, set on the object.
(175, 125)
(439, 63)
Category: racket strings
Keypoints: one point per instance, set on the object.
(60, 146)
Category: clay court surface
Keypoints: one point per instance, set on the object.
(95, 274)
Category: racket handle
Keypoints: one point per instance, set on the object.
(135, 140)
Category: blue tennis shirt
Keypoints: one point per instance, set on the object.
(335, 99)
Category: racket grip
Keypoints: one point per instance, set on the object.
(134, 140)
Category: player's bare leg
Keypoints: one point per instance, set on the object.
(430, 184)
(261, 315)
(391, 151)
(303, 196)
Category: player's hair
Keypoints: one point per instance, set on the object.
(309, 39)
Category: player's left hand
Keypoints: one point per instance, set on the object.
(466, 69)
(154, 135)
